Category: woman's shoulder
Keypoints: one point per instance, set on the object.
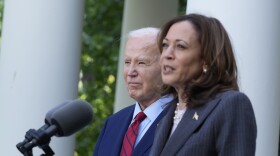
(233, 106)
(234, 99)
(232, 95)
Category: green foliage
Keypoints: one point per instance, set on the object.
(182, 7)
(101, 40)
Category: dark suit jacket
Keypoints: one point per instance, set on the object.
(225, 126)
(110, 139)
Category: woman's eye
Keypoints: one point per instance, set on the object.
(181, 46)
(164, 45)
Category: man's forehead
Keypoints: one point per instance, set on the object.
(141, 47)
(141, 41)
(140, 54)
(148, 50)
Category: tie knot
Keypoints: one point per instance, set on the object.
(140, 116)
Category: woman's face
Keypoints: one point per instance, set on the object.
(181, 55)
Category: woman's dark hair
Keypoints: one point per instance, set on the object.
(216, 52)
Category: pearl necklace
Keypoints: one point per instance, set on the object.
(177, 117)
(179, 113)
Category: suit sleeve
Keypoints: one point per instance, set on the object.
(236, 129)
(100, 137)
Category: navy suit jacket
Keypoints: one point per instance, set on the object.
(224, 126)
(110, 139)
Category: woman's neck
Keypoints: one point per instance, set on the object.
(182, 97)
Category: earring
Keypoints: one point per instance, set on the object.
(204, 70)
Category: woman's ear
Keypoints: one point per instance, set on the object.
(204, 67)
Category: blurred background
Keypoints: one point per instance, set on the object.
(54, 50)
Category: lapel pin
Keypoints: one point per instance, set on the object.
(195, 116)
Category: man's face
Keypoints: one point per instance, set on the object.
(142, 72)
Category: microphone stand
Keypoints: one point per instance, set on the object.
(40, 138)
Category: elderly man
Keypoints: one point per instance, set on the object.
(131, 130)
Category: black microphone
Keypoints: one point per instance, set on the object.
(49, 114)
(71, 117)
(63, 120)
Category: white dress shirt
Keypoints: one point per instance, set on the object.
(152, 113)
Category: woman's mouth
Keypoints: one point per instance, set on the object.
(167, 69)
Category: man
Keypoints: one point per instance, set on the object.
(142, 74)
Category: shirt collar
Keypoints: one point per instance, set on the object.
(155, 108)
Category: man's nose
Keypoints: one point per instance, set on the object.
(132, 71)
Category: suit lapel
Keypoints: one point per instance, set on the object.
(147, 140)
(163, 130)
(122, 127)
(191, 120)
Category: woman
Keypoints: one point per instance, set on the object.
(211, 117)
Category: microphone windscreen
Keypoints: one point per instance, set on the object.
(48, 116)
(71, 117)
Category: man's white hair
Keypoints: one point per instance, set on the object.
(148, 31)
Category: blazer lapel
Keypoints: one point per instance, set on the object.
(163, 129)
(147, 141)
(191, 120)
(121, 127)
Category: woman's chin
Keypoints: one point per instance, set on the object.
(169, 82)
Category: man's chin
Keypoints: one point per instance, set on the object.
(134, 95)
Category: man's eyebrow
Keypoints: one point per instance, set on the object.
(144, 58)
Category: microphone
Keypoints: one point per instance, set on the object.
(48, 116)
(71, 117)
(63, 120)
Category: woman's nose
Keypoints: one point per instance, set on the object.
(168, 53)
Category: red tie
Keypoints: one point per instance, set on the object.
(131, 134)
